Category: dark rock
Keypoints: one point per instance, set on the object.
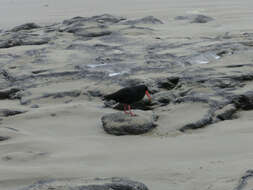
(243, 101)
(27, 26)
(8, 112)
(8, 76)
(74, 93)
(93, 34)
(123, 124)
(226, 112)
(34, 106)
(2, 138)
(145, 20)
(195, 18)
(22, 39)
(245, 180)
(163, 98)
(105, 18)
(235, 66)
(201, 19)
(95, 93)
(84, 184)
(9, 93)
(168, 83)
(39, 71)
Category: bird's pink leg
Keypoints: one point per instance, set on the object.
(125, 107)
(129, 109)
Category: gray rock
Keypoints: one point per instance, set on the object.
(93, 34)
(168, 83)
(3, 138)
(87, 184)
(243, 101)
(27, 26)
(206, 120)
(8, 93)
(245, 181)
(105, 18)
(226, 112)
(195, 18)
(21, 39)
(145, 20)
(123, 124)
(8, 112)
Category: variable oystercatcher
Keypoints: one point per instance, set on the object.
(128, 96)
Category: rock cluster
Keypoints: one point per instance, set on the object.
(88, 184)
(113, 50)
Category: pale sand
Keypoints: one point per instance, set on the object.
(73, 144)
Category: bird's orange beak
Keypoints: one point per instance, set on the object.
(148, 95)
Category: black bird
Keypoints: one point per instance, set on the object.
(129, 95)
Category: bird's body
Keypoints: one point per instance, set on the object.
(129, 95)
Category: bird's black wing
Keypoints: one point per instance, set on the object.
(120, 96)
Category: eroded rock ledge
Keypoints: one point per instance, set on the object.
(88, 184)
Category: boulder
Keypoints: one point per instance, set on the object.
(122, 124)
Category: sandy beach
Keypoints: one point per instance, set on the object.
(60, 69)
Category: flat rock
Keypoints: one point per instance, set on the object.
(246, 181)
(87, 184)
(8, 112)
(123, 124)
(182, 117)
(226, 112)
(195, 18)
(145, 20)
(8, 93)
(27, 26)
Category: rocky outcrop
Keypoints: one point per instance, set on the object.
(245, 181)
(195, 18)
(145, 20)
(111, 50)
(27, 26)
(123, 124)
(88, 184)
(21, 39)
(9, 112)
